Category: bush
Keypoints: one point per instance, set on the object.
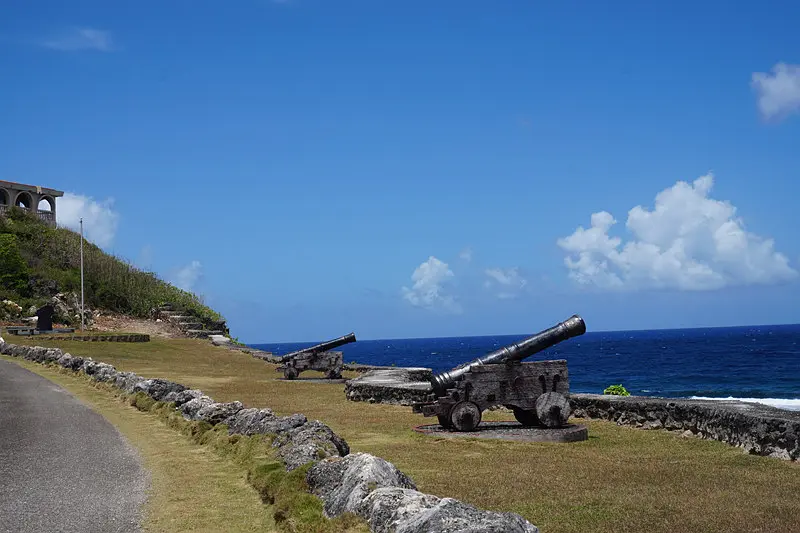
(617, 390)
(32, 250)
(13, 268)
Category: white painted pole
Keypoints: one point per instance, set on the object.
(82, 313)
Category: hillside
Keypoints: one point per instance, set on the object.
(41, 264)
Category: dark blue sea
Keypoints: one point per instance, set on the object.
(752, 362)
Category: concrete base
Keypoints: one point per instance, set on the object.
(512, 431)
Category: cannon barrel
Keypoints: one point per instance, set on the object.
(323, 346)
(571, 327)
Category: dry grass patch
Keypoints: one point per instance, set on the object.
(620, 480)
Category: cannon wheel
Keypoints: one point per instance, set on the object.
(333, 374)
(526, 417)
(290, 372)
(465, 416)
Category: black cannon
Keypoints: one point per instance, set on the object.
(536, 391)
(318, 357)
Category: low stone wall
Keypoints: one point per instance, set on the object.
(758, 429)
(365, 485)
(399, 386)
(132, 337)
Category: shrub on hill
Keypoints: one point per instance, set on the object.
(37, 261)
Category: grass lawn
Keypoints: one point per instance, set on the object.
(620, 480)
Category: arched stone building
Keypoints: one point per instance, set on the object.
(39, 200)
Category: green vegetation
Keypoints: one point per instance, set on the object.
(617, 390)
(621, 479)
(13, 269)
(37, 260)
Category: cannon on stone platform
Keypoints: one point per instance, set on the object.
(537, 392)
(318, 357)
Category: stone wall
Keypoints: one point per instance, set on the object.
(399, 386)
(757, 429)
(360, 483)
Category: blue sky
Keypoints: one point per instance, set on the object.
(412, 169)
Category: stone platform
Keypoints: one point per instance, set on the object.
(301, 379)
(398, 386)
(512, 431)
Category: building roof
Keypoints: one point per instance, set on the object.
(32, 188)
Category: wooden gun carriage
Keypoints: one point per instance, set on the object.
(318, 357)
(537, 392)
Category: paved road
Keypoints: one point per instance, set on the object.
(63, 467)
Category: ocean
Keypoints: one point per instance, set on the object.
(756, 363)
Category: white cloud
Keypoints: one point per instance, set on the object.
(688, 242)
(508, 283)
(429, 289)
(99, 218)
(76, 39)
(188, 276)
(778, 93)
(466, 254)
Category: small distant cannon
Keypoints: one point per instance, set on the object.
(537, 392)
(318, 357)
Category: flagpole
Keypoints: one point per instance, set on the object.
(82, 313)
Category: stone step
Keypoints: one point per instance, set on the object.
(181, 318)
(190, 325)
(202, 333)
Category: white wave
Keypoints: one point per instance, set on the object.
(781, 403)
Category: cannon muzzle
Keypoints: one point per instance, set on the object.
(571, 327)
(323, 346)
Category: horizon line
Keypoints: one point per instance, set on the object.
(529, 334)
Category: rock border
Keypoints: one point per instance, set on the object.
(757, 429)
(360, 483)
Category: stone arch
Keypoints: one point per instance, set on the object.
(24, 200)
(47, 203)
(5, 199)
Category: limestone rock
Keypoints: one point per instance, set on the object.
(310, 442)
(127, 381)
(105, 372)
(193, 406)
(9, 310)
(70, 361)
(397, 510)
(250, 421)
(343, 483)
(219, 340)
(181, 397)
(158, 388)
(282, 424)
(215, 413)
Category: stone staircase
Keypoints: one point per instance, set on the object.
(189, 324)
